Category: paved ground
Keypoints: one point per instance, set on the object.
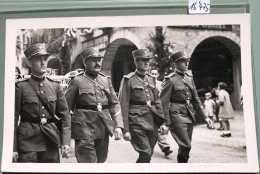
(207, 147)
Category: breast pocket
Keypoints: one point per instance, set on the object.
(87, 91)
(181, 91)
(52, 102)
(30, 100)
(138, 91)
(52, 99)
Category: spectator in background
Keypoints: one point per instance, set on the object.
(162, 142)
(225, 109)
(17, 74)
(209, 108)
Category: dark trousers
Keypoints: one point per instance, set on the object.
(51, 155)
(182, 133)
(143, 141)
(92, 151)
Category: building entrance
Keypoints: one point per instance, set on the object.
(213, 62)
(123, 64)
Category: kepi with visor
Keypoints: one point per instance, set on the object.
(141, 54)
(179, 55)
(36, 50)
(90, 53)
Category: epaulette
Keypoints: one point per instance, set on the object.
(52, 79)
(128, 76)
(189, 73)
(23, 80)
(170, 75)
(79, 74)
(104, 75)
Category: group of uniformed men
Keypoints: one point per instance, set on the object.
(43, 121)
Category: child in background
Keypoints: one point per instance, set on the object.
(209, 108)
(226, 111)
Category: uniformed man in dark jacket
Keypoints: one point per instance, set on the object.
(97, 112)
(180, 101)
(141, 107)
(36, 137)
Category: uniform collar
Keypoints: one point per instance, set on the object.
(38, 79)
(180, 73)
(139, 74)
(92, 75)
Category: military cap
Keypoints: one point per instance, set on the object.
(141, 54)
(90, 52)
(35, 50)
(179, 55)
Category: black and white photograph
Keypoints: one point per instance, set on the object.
(121, 90)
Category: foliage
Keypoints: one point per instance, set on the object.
(161, 52)
(55, 47)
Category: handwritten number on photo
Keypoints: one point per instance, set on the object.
(199, 6)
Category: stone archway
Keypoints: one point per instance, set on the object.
(55, 65)
(118, 60)
(77, 64)
(216, 59)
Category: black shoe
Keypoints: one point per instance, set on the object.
(220, 129)
(225, 135)
(168, 152)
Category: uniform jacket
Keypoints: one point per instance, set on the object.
(133, 90)
(174, 96)
(28, 136)
(225, 110)
(88, 123)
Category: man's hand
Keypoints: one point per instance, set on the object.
(127, 136)
(118, 133)
(64, 151)
(209, 122)
(15, 157)
(164, 129)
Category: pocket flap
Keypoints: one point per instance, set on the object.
(52, 98)
(86, 91)
(32, 99)
(136, 86)
(135, 111)
(179, 87)
(77, 120)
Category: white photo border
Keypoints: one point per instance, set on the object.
(12, 25)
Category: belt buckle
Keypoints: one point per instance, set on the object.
(188, 102)
(99, 107)
(148, 103)
(43, 121)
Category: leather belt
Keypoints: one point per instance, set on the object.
(91, 107)
(180, 101)
(140, 103)
(37, 120)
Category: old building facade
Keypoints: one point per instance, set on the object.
(215, 52)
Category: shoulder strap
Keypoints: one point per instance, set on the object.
(44, 103)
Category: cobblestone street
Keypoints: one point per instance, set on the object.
(207, 147)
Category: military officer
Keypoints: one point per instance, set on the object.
(97, 112)
(36, 137)
(180, 101)
(141, 107)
